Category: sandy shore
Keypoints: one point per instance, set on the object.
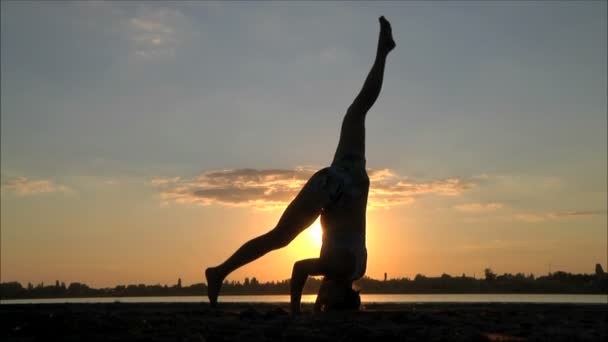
(271, 322)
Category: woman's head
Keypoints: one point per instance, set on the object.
(339, 296)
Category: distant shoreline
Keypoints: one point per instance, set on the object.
(287, 294)
(395, 299)
(363, 292)
(553, 283)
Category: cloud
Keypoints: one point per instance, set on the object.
(164, 181)
(147, 31)
(389, 189)
(491, 245)
(558, 215)
(332, 55)
(478, 207)
(268, 189)
(262, 189)
(566, 214)
(157, 33)
(23, 187)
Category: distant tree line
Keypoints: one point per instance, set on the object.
(557, 282)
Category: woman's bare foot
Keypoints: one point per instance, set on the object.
(385, 42)
(214, 283)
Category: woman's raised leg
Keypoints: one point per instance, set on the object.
(352, 134)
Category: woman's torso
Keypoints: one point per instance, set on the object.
(344, 218)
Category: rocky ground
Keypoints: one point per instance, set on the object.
(271, 322)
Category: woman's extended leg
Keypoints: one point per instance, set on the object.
(352, 134)
(300, 214)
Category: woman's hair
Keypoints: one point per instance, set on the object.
(350, 301)
(340, 297)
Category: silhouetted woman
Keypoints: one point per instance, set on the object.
(337, 193)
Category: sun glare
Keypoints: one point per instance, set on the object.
(315, 234)
(308, 244)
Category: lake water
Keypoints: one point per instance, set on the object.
(365, 298)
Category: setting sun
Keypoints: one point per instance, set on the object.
(308, 244)
(315, 234)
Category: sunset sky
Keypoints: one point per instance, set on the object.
(142, 142)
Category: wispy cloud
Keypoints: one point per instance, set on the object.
(558, 215)
(23, 186)
(164, 180)
(491, 245)
(389, 189)
(332, 55)
(273, 188)
(262, 189)
(149, 31)
(157, 33)
(478, 207)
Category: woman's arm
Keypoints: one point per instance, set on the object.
(301, 270)
(321, 297)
